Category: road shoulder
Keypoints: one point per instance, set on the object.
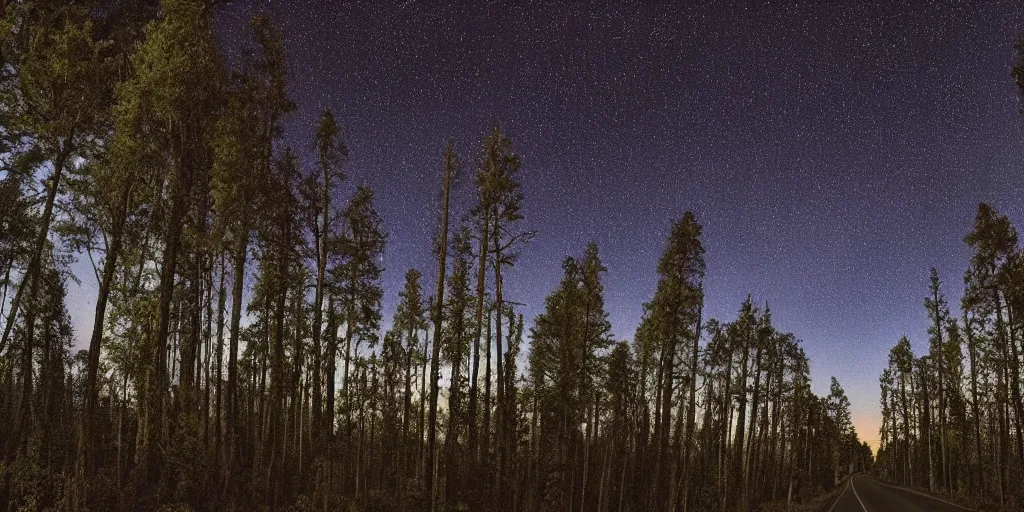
(934, 496)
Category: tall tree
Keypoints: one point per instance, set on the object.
(675, 306)
(165, 108)
(54, 103)
(568, 339)
(502, 176)
(458, 332)
(357, 281)
(994, 241)
(331, 153)
(938, 313)
(410, 319)
(451, 168)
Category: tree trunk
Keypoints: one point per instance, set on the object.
(499, 437)
(40, 242)
(485, 450)
(691, 409)
(408, 403)
(90, 435)
(474, 379)
(221, 298)
(240, 254)
(1018, 405)
(442, 260)
(321, 240)
(152, 461)
(738, 447)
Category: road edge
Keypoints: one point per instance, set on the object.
(919, 493)
(849, 485)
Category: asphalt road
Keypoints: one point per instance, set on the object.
(866, 494)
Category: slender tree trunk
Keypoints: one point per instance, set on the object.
(691, 410)
(321, 240)
(332, 369)
(738, 447)
(486, 452)
(499, 438)
(664, 427)
(971, 354)
(350, 316)
(40, 242)
(475, 378)
(1014, 364)
(927, 427)
(221, 298)
(240, 253)
(442, 260)
(152, 461)
(89, 428)
(908, 463)
(27, 364)
(421, 440)
(406, 449)
(752, 431)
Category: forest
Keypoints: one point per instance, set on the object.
(951, 418)
(238, 358)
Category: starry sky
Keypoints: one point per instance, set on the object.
(833, 153)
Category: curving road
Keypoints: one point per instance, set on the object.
(866, 494)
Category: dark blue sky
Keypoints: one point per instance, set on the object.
(833, 153)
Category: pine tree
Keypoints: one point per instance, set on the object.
(451, 167)
(675, 307)
(357, 281)
(501, 167)
(318, 194)
(410, 319)
(459, 330)
(938, 313)
(165, 107)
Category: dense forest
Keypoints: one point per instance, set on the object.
(951, 418)
(238, 357)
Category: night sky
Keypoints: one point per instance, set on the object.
(833, 154)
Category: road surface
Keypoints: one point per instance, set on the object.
(866, 494)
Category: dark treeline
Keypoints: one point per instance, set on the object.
(951, 418)
(238, 359)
